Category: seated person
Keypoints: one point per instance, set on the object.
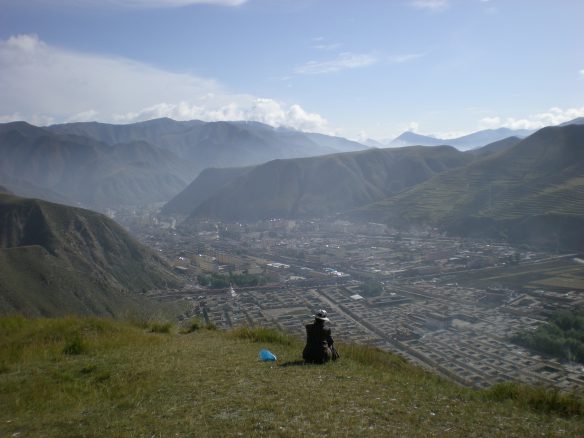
(319, 342)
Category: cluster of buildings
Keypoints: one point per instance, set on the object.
(419, 312)
(460, 339)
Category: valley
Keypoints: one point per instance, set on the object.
(433, 253)
(448, 304)
(185, 184)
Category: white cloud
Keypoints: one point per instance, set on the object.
(433, 5)
(83, 116)
(491, 122)
(413, 127)
(406, 57)
(136, 4)
(447, 135)
(581, 73)
(35, 119)
(344, 61)
(332, 46)
(45, 84)
(261, 110)
(554, 116)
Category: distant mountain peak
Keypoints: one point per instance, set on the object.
(410, 138)
(470, 141)
(577, 121)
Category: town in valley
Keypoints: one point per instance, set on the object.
(449, 304)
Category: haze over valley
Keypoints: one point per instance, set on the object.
(203, 177)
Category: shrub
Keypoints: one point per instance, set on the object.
(196, 324)
(192, 326)
(160, 327)
(75, 346)
(561, 337)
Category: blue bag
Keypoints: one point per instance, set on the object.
(267, 356)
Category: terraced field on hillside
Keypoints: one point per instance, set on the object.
(535, 190)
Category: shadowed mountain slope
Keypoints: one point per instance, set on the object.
(495, 147)
(101, 165)
(577, 121)
(206, 185)
(533, 192)
(56, 260)
(319, 186)
(215, 144)
(75, 169)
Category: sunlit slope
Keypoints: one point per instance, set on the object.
(537, 185)
(95, 378)
(57, 260)
(319, 186)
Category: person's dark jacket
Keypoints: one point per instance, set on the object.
(319, 343)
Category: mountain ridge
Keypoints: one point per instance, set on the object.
(103, 165)
(57, 259)
(513, 194)
(310, 187)
(470, 141)
(216, 144)
(82, 171)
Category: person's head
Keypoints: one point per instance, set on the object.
(320, 317)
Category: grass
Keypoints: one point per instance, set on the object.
(75, 346)
(196, 324)
(160, 327)
(263, 335)
(546, 400)
(129, 381)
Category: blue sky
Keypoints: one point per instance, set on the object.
(355, 68)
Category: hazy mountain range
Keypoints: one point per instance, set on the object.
(471, 141)
(102, 165)
(59, 260)
(214, 144)
(516, 188)
(533, 191)
(311, 187)
(73, 169)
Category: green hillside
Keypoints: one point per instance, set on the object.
(532, 192)
(89, 377)
(320, 186)
(214, 144)
(58, 260)
(205, 185)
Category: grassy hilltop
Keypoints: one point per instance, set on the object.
(94, 377)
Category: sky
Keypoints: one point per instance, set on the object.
(358, 69)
